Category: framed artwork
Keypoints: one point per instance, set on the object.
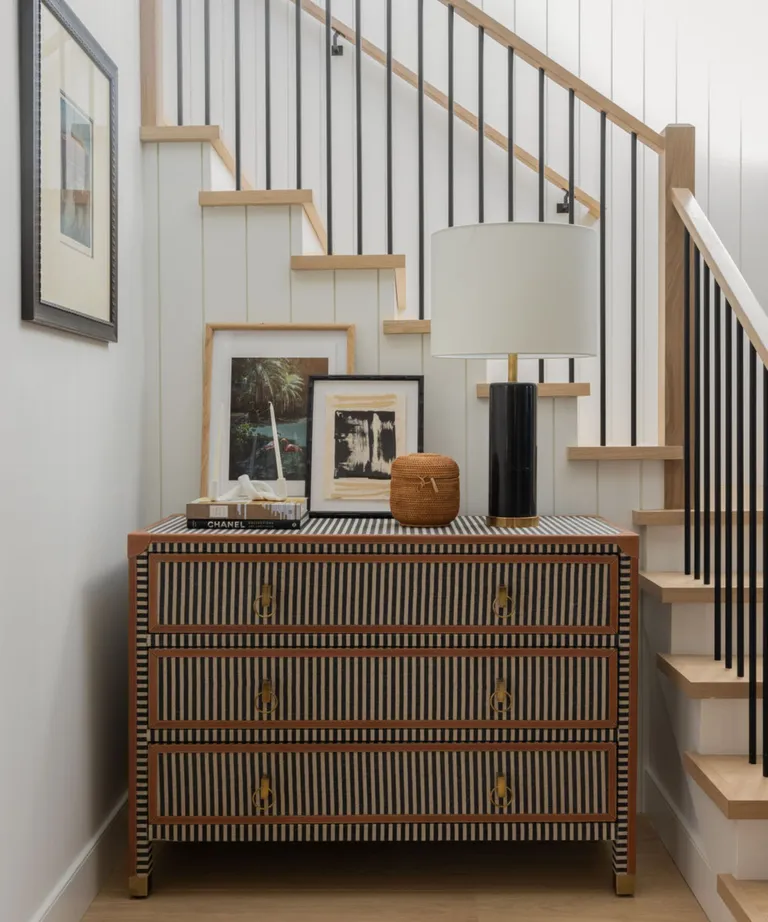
(246, 367)
(68, 132)
(358, 425)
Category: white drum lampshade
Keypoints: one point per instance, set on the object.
(514, 289)
(524, 288)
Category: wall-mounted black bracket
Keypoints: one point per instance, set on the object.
(337, 48)
(564, 207)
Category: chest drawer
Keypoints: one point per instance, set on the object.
(307, 689)
(427, 783)
(357, 594)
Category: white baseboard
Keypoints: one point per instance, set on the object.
(684, 848)
(77, 887)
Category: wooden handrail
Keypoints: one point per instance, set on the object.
(724, 270)
(150, 49)
(463, 114)
(560, 75)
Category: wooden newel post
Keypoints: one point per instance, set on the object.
(677, 169)
(151, 43)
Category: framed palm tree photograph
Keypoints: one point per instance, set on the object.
(248, 367)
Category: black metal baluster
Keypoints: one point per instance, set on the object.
(328, 128)
(728, 486)
(765, 570)
(510, 134)
(718, 471)
(420, 38)
(633, 298)
(268, 93)
(740, 588)
(451, 12)
(390, 200)
(542, 168)
(571, 187)
(752, 681)
(696, 414)
(179, 66)
(297, 29)
(603, 337)
(359, 119)
(687, 400)
(707, 440)
(207, 58)
(480, 125)
(238, 124)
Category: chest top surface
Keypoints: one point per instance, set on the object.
(465, 530)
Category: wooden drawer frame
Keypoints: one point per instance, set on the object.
(611, 561)
(264, 819)
(610, 654)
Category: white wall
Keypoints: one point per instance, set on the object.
(70, 449)
(663, 60)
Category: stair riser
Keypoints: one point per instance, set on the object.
(664, 548)
(689, 627)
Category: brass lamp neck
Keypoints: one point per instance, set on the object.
(512, 366)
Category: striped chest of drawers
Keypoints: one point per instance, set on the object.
(358, 680)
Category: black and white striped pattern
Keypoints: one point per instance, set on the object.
(338, 784)
(368, 687)
(471, 525)
(204, 592)
(505, 734)
(142, 857)
(387, 832)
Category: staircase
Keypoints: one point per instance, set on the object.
(223, 247)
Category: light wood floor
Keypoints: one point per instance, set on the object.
(428, 882)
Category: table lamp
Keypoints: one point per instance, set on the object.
(504, 290)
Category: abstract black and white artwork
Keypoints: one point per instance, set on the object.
(365, 444)
(357, 426)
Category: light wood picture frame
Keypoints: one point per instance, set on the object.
(247, 364)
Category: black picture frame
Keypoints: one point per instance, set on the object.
(418, 379)
(33, 308)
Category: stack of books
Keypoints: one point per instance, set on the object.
(288, 513)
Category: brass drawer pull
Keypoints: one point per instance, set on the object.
(264, 604)
(500, 700)
(502, 604)
(264, 799)
(266, 701)
(501, 794)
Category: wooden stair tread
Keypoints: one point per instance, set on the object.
(303, 197)
(625, 453)
(548, 389)
(703, 677)
(737, 788)
(395, 261)
(676, 516)
(746, 899)
(674, 586)
(392, 327)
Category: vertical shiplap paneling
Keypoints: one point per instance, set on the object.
(405, 151)
(545, 463)
(575, 481)
(312, 296)
(168, 37)
(474, 476)
(659, 111)
(445, 411)
(563, 46)
(194, 58)
(595, 43)
(343, 138)
(313, 105)
(283, 114)
(251, 58)
(652, 485)
(181, 320)
(224, 265)
(268, 249)
(399, 354)
(226, 66)
(357, 301)
(618, 490)
(627, 88)
(152, 495)
(692, 82)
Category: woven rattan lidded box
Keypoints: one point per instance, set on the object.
(425, 490)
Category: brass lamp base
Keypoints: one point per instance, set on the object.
(515, 521)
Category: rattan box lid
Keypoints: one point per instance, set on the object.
(425, 464)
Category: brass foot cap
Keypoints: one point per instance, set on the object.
(138, 886)
(625, 884)
(501, 521)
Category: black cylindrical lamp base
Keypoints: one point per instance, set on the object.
(512, 455)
